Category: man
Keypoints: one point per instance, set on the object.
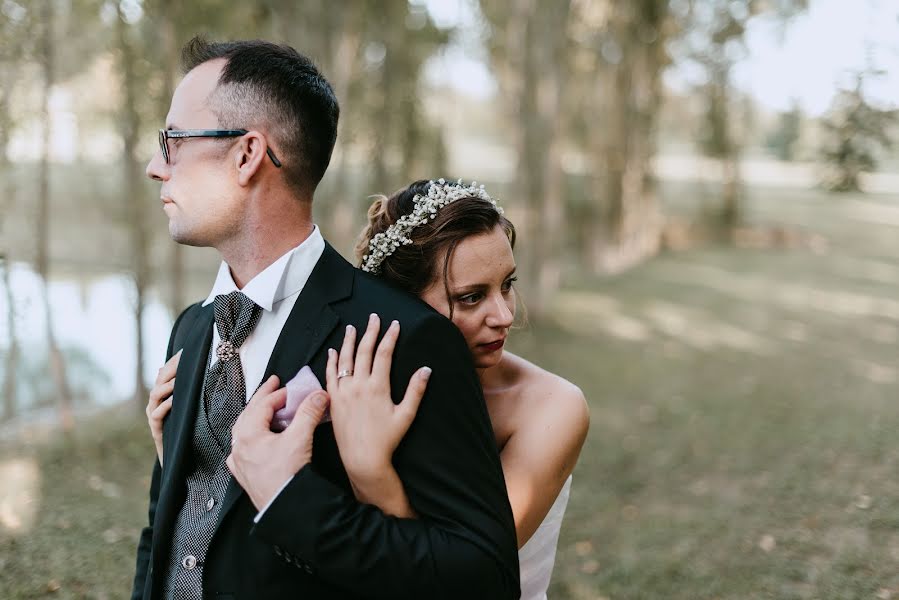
(249, 135)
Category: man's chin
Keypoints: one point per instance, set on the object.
(179, 236)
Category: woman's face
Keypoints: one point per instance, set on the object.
(479, 276)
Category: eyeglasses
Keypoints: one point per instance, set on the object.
(166, 134)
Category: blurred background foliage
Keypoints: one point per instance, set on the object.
(685, 258)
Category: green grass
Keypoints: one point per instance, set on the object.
(79, 532)
(739, 398)
(742, 441)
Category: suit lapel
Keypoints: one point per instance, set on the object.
(181, 422)
(310, 322)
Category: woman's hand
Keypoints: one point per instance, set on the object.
(160, 402)
(368, 426)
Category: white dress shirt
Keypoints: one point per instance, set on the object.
(276, 290)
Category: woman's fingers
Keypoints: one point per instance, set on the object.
(162, 410)
(331, 371)
(384, 355)
(366, 348)
(408, 408)
(345, 361)
(158, 394)
(169, 369)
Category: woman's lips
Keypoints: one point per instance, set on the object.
(493, 346)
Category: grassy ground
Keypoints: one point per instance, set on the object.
(743, 415)
(742, 439)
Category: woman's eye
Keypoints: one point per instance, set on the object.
(507, 284)
(470, 298)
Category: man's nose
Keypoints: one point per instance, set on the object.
(157, 168)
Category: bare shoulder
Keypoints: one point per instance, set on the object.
(549, 397)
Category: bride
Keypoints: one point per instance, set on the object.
(450, 245)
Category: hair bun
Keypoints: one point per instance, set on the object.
(378, 221)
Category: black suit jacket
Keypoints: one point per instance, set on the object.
(316, 540)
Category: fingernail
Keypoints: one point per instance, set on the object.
(350, 328)
(318, 400)
(330, 351)
(425, 372)
(395, 323)
(372, 317)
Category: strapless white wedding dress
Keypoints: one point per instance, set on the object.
(537, 557)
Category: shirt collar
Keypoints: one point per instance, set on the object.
(282, 278)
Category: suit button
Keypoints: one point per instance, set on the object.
(210, 503)
(189, 562)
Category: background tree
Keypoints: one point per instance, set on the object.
(528, 49)
(134, 200)
(855, 129)
(46, 57)
(629, 41)
(16, 31)
(782, 141)
(715, 42)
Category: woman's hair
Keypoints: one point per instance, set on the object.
(414, 267)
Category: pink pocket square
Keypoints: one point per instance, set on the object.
(298, 389)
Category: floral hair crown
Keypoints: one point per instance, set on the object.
(440, 193)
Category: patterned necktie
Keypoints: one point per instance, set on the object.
(225, 389)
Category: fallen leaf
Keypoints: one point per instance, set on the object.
(583, 548)
(767, 543)
(590, 567)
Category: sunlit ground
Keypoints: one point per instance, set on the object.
(743, 413)
(743, 427)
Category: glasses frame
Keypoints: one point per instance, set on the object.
(166, 134)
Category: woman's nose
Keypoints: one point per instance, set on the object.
(501, 314)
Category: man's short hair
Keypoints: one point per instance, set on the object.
(272, 85)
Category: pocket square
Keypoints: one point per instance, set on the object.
(298, 389)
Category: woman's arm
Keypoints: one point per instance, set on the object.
(367, 425)
(541, 453)
(536, 460)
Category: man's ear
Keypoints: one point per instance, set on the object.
(249, 156)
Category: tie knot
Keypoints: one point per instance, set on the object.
(235, 316)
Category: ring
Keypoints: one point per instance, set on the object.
(344, 373)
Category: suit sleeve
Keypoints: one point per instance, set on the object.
(145, 542)
(146, 538)
(463, 544)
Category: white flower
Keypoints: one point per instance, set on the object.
(440, 193)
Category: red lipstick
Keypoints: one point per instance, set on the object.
(493, 346)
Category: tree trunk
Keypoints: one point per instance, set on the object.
(42, 235)
(168, 14)
(731, 213)
(10, 386)
(623, 142)
(549, 202)
(7, 200)
(130, 125)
